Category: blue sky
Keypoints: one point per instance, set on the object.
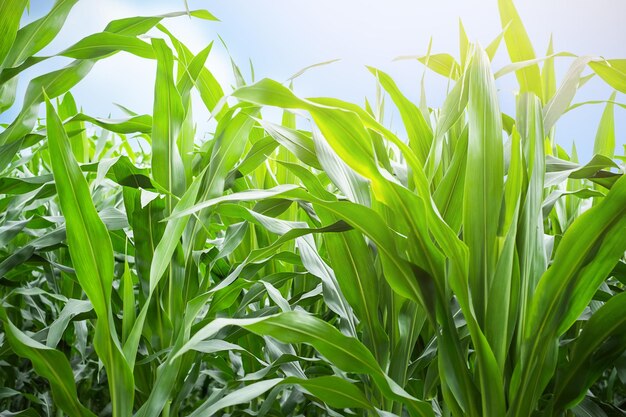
(282, 36)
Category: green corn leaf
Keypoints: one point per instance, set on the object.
(102, 44)
(519, 48)
(597, 348)
(135, 26)
(92, 257)
(557, 170)
(10, 14)
(309, 67)
(231, 137)
(492, 48)
(501, 311)
(167, 121)
(351, 261)
(140, 123)
(531, 249)
(334, 391)
(80, 146)
(33, 37)
(345, 352)
(585, 256)
(296, 142)
(60, 81)
(449, 193)
(57, 328)
(463, 44)
(579, 273)
(55, 83)
(605, 136)
(267, 92)
(257, 155)
(452, 109)
(515, 66)
(210, 90)
(442, 64)
(551, 200)
(548, 75)
(484, 187)
(564, 95)
(240, 396)
(173, 231)
(163, 250)
(351, 184)
(420, 135)
(52, 365)
(128, 302)
(482, 204)
(612, 71)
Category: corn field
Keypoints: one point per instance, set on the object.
(316, 264)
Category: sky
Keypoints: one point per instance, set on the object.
(280, 37)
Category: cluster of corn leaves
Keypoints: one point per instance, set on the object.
(470, 267)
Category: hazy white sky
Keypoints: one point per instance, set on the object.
(282, 36)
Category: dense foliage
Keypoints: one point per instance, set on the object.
(467, 267)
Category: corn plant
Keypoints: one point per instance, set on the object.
(321, 264)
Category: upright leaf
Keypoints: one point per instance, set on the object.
(519, 48)
(484, 182)
(168, 115)
(92, 257)
(10, 14)
(605, 136)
